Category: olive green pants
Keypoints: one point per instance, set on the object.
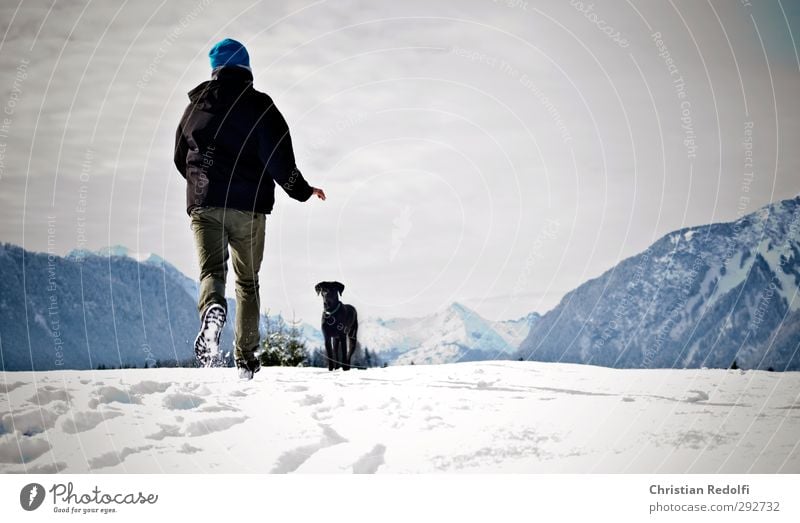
(215, 229)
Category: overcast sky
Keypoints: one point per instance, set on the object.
(495, 153)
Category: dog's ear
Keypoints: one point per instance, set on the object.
(339, 287)
(318, 287)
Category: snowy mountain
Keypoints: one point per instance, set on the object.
(191, 286)
(114, 250)
(454, 334)
(700, 296)
(89, 309)
(515, 331)
(117, 307)
(500, 416)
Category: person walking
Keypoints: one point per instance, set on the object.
(232, 145)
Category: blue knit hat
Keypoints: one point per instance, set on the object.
(229, 52)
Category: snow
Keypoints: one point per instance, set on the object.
(788, 287)
(85, 421)
(445, 336)
(491, 416)
(432, 354)
(514, 332)
(117, 250)
(442, 337)
(735, 273)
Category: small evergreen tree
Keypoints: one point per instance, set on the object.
(295, 353)
(282, 346)
(273, 341)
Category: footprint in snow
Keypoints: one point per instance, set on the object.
(32, 421)
(47, 468)
(197, 428)
(86, 420)
(391, 403)
(699, 395)
(49, 394)
(311, 399)
(221, 407)
(8, 387)
(149, 387)
(182, 401)
(435, 422)
(202, 390)
(111, 394)
(110, 459)
(291, 460)
(371, 461)
(322, 413)
(201, 428)
(188, 449)
(165, 431)
(15, 449)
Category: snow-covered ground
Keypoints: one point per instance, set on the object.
(467, 417)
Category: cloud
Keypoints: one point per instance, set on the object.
(477, 120)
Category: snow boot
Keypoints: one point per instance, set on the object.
(206, 345)
(246, 369)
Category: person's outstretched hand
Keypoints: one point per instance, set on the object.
(319, 193)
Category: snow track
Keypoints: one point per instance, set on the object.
(470, 417)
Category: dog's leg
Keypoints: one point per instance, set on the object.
(329, 352)
(346, 352)
(337, 352)
(343, 345)
(352, 337)
(351, 348)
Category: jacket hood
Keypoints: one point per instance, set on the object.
(227, 85)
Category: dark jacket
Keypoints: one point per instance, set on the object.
(233, 144)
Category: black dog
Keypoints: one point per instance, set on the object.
(339, 325)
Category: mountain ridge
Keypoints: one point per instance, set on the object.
(116, 307)
(699, 296)
(687, 283)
